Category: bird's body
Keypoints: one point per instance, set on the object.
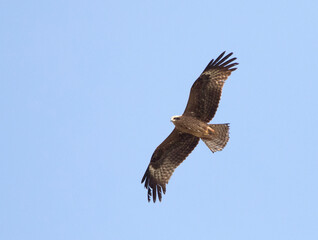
(191, 126)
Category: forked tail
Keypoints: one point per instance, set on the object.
(219, 138)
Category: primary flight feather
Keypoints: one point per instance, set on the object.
(191, 126)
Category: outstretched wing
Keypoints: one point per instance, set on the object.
(207, 89)
(166, 158)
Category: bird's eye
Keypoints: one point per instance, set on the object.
(176, 118)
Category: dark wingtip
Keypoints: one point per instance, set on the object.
(143, 179)
(164, 189)
(149, 194)
(159, 192)
(153, 188)
(218, 58)
(154, 193)
(220, 61)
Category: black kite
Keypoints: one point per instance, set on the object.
(191, 126)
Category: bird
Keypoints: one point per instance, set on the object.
(191, 126)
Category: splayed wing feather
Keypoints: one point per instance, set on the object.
(218, 58)
(219, 62)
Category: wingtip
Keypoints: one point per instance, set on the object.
(230, 54)
(154, 189)
(222, 61)
(149, 194)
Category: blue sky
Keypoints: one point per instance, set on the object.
(86, 94)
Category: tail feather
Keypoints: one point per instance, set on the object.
(219, 138)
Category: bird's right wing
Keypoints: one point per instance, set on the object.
(165, 159)
(206, 91)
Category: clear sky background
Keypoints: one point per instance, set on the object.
(87, 90)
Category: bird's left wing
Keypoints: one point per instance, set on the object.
(165, 159)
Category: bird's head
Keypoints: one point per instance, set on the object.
(175, 118)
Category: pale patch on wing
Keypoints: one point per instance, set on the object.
(151, 170)
(218, 76)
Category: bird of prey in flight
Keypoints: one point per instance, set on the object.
(191, 126)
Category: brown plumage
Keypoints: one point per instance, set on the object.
(192, 126)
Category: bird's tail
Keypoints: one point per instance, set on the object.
(219, 138)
